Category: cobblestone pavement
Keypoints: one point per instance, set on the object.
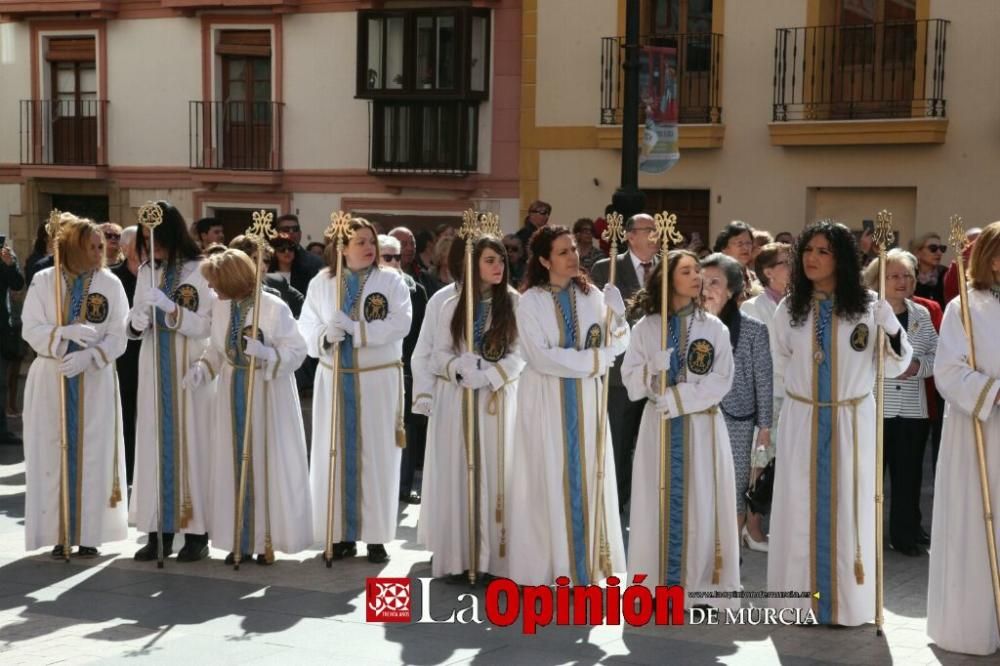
(113, 609)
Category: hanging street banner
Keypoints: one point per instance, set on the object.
(660, 149)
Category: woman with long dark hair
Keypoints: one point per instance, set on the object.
(960, 611)
(701, 546)
(823, 519)
(747, 406)
(182, 303)
(561, 321)
(369, 325)
(491, 369)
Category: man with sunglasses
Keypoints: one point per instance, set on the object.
(539, 214)
(112, 244)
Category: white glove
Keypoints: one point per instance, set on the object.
(195, 377)
(76, 362)
(258, 349)
(343, 321)
(605, 359)
(662, 361)
(140, 318)
(422, 406)
(662, 405)
(161, 301)
(467, 364)
(886, 318)
(334, 335)
(613, 299)
(476, 379)
(81, 334)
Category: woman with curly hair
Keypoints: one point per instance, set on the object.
(561, 327)
(823, 519)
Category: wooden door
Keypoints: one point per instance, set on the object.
(74, 112)
(690, 207)
(246, 112)
(686, 25)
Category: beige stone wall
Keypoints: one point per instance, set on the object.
(769, 185)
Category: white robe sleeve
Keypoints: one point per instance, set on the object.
(691, 397)
(781, 348)
(114, 342)
(312, 323)
(420, 358)
(507, 369)
(635, 367)
(549, 360)
(287, 341)
(37, 330)
(395, 326)
(969, 390)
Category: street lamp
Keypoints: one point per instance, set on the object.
(628, 198)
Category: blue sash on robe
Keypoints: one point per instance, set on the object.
(241, 376)
(168, 399)
(351, 442)
(74, 418)
(676, 462)
(824, 565)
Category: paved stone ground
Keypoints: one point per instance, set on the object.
(113, 610)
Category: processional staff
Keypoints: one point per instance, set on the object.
(469, 232)
(52, 229)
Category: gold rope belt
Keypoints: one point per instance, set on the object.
(852, 403)
(400, 426)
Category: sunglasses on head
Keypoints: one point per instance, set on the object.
(934, 247)
(540, 211)
(392, 257)
(284, 248)
(113, 236)
(290, 229)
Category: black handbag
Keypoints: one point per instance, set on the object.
(758, 496)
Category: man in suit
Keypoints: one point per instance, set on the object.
(11, 279)
(632, 268)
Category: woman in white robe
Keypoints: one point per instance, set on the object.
(700, 550)
(367, 331)
(823, 512)
(80, 346)
(183, 303)
(561, 327)
(961, 616)
(277, 509)
(491, 371)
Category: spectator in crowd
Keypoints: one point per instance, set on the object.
(41, 255)
(516, 259)
(215, 248)
(128, 363)
(539, 214)
(785, 237)
(425, 250)
(439, 267)
(600, 224)
(760, 239)
(589, 253)
(928, 249)
(306, 264)
(11, 279)
(409, 262)
(274, 281)
(112, 243)
(316, 248)
(736, 241)
(209, 230)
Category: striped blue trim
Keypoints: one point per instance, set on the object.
(349, 412)
(824, 565)
(74, 411)
(675, 537)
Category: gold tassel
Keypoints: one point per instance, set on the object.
(187, 513)
(400, 426)
(717, 572)
(268, 550)
(859, 570)
(503, 542)
(400, 437)
(116, 494)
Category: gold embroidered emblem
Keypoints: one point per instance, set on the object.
(493, 352)
(376, 307)
(593, 338)
(186, 296)
(859, 337)
(701, 356)
(97, 308)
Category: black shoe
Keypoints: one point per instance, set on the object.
(148, 552)
(244, 557)
(194, 549)
(58, 552)
(909, 551)
(344, 549)
(412, 498)
(87, 552)
(377, 554)
(10, 439)
(262, 560)
(923, 538)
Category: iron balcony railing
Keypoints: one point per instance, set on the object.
(66, 132)
(242, 136)
(866, 71)
(428, 137)
(698, 74)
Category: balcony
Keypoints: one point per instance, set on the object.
(65, 133)
(423, 137)
(857, 84)
(235, 136)
(190, 6)
(21, 9)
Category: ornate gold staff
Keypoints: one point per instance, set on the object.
(468, 232)
(151, 216)
(665, 232)
(958, 241)
(260, 232)
(882, 238)
(614, 233)
(52, 229)
(339, 232)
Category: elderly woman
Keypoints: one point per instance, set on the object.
(928, 251)
(590, 253)
(906, 421)
(736, 240)
(748, 404)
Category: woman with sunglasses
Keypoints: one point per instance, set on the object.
(491, 368)
(367, 327)
(701, 541)
(960, 608)
(929, 250)
(823, 518)
(561, 326)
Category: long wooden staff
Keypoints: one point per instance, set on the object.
(339, 233)
(958, 242)
(614, 233)
(469, 232)
(665, 233)
(151, 216)
(52, 229)
(260, 232)
(882, 238)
